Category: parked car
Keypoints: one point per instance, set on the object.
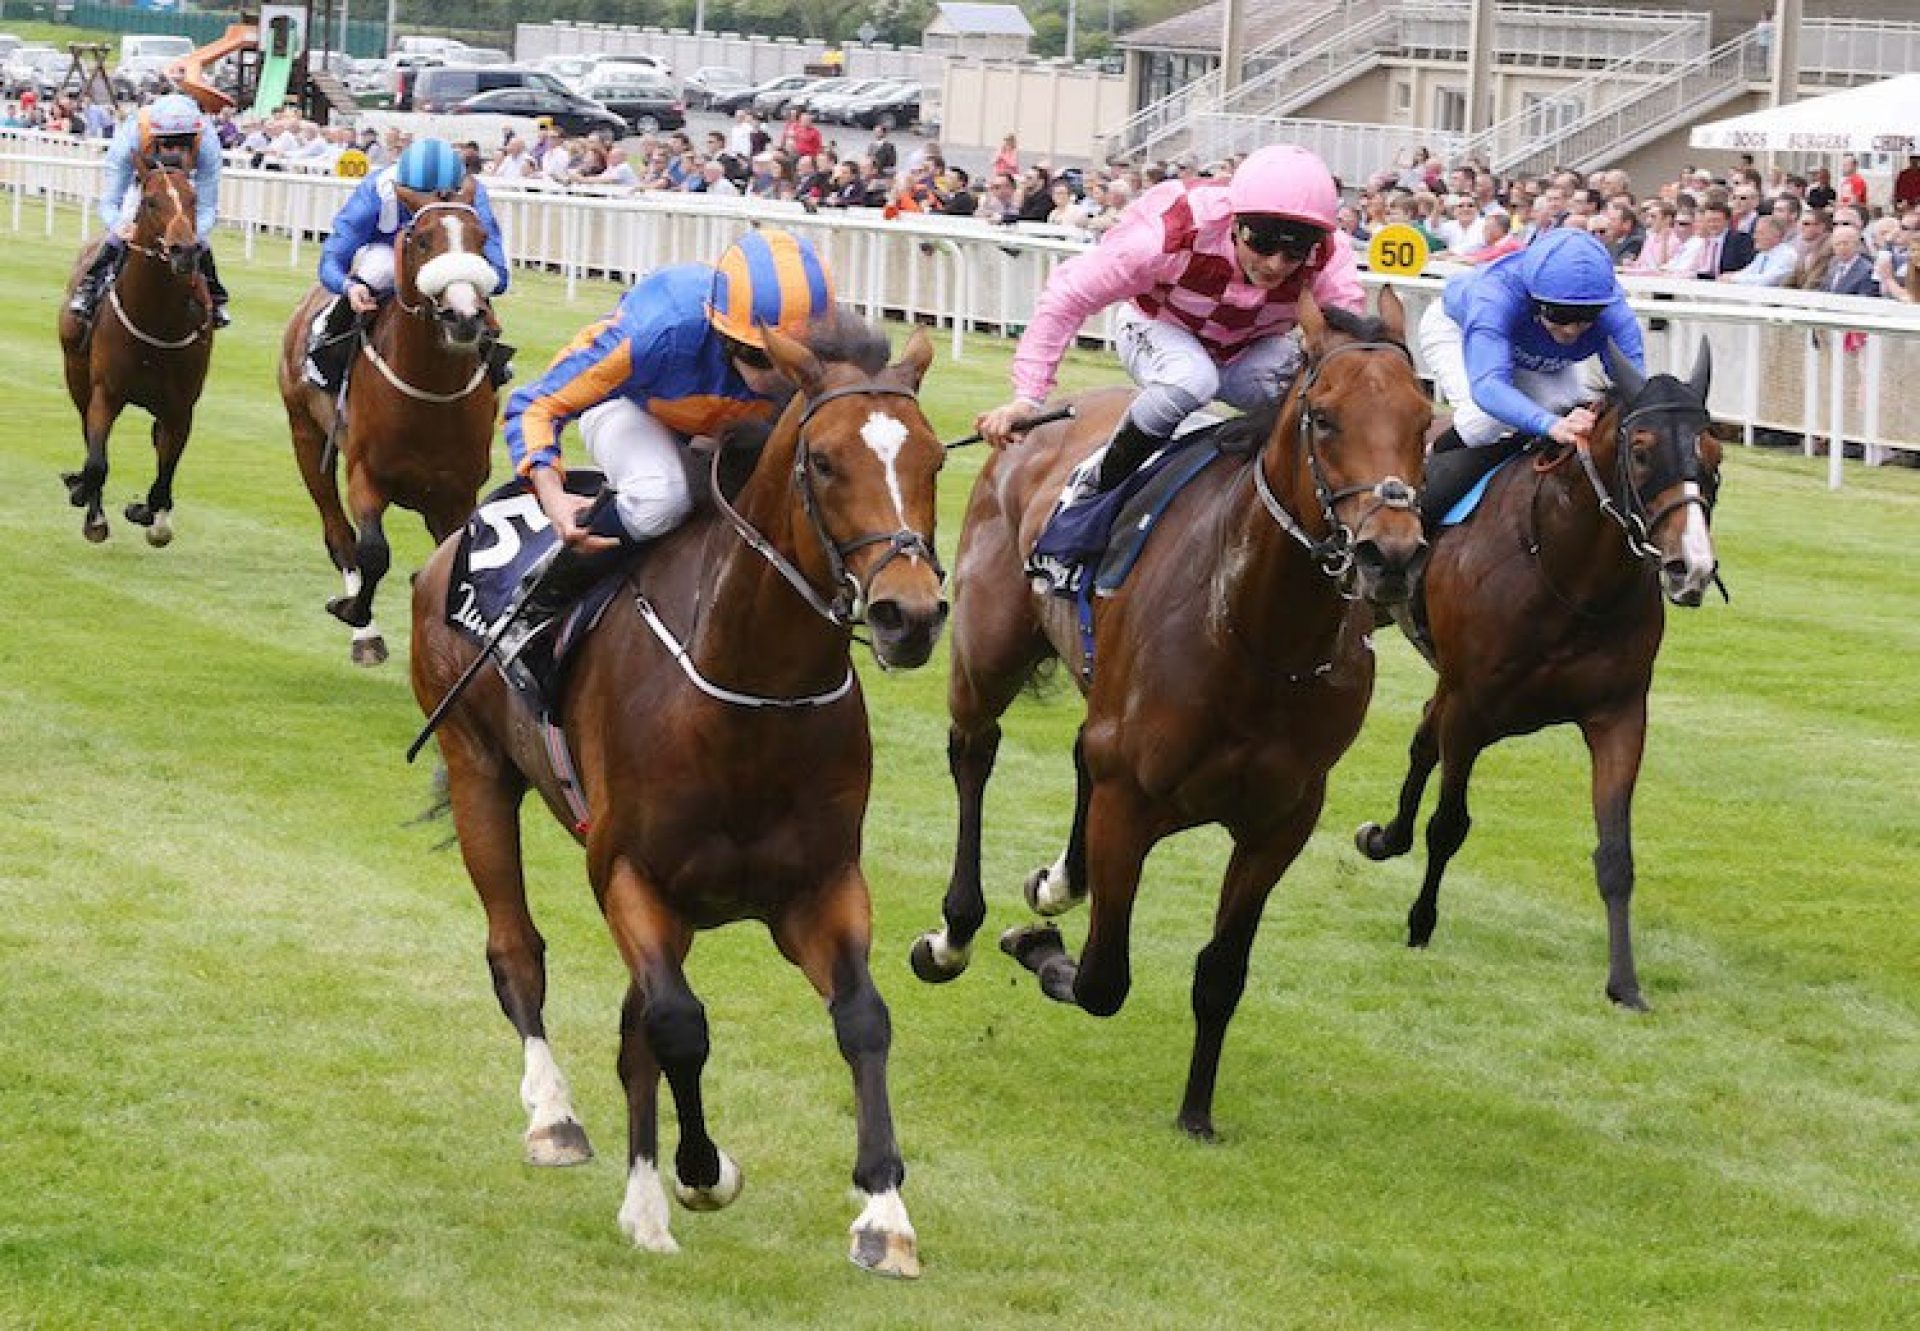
(655, 62)
(893, 107)
(440, 87)
(485, 55)
(575, 115)
(646, 100)
(831, 104)
(9, 43)
(733, 101)
(571, 70)
(711, 81)
(40, 68)
(771, 99)
(802, 100)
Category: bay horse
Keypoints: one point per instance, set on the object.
(726, 778)
(1545, 608)
(418, 429)
(1234, 665)
(147, 346)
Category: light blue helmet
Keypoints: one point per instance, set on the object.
(431, 166)
(1568, 266)
(174, 116)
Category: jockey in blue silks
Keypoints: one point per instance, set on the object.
(1508, 345)
(356, 263)
(170, 132)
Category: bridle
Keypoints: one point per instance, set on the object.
(158, 254)
(848, 603)
(424, 309)
(1627, 504)
(1333, 553)
(426, 306)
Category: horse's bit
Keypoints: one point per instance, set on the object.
(1628, 508)
(1334, 553)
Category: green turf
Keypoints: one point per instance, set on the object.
(254, 1074)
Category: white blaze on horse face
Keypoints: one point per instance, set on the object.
(886, 436)
(1696, 541)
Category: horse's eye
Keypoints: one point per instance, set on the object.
(1322, 422)
(822, 469)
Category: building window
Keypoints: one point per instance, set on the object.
(1403, 99)
(1450, 109)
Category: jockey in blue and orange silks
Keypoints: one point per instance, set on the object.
(683, 355)
(169, 132)
(356, 263)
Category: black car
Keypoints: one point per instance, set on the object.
(574, 115)
(900, 106)
(646, 100)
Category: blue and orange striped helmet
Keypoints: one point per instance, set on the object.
(769, 278)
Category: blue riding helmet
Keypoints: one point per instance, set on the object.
(431, 166)
(174, 116)
(1568, 267)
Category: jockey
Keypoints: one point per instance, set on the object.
(1507, 345)
(357, 262)
(683, 354)
(169, 132)
(1212, 275)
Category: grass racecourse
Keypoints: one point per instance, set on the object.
(252, 1073)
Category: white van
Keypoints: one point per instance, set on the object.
(160, 48)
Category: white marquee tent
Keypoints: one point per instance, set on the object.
(1876, 118)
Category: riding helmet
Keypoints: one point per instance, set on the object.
(173, 116)
(1285, 181)
(1568, 267)
(771, 279)
(430, 166)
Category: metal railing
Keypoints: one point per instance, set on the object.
(1353, 152)
(1355, 47)
(1843, 367)
(1857, 50)
(1545, 35)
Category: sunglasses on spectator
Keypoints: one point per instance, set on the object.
(1268, 236)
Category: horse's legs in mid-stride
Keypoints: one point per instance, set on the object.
(371, 558)
(1616, 740)
(996, 644)
(155, 513)
(1447, 829)
(829, 936)
(86, 486)
(1396, 838)
(485, 791)
(1220, 971)
(1056, 888)
(663, 1028)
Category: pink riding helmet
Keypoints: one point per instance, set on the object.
(1285, 181)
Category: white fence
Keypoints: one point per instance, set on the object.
(1838, 367)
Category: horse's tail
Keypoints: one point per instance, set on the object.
(439, 807)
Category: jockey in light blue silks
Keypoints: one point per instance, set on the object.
(170, 132)
(1508, 346)
(357, 261)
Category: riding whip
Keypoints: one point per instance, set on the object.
(1031, 423)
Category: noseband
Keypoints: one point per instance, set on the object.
(400, 247)
(850, 594)
(1334, 552)
(1628, 504)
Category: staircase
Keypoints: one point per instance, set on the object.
(1292, 83)
(325, 88)
(1630, 103)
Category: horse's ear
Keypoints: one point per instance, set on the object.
(141, 165)
(1393, 314)
(465, 193)
(1702, 377)
(411, 199)
(791, 357)
(917, 356)
(1313, 328)
(1631, 381)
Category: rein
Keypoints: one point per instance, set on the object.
(850, 595)
(422, 310)
(1333, 554)
(400, 248)
(158, 255)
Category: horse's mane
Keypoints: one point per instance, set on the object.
(1359, 327)
(844, 338)
(1245, 434)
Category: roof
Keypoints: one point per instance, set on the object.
(986, 20)
(1198, 30)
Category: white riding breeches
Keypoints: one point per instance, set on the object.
(644, 462)
(1444, 350)
(1177, 375)
(373, 264)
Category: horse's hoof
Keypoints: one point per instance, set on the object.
(343, 609)
(1023, 941)
(95, 530)
(558, 1145)
(1370, 839)
(139, 514)
(1199, 1127)
(369, 651)
(885, 1254)
(1043, 902)
(928, 964)
(1629, 999)
(721, 1194)
(160, 534)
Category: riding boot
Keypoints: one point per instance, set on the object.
(93, 282)
(215, 288)
(499, 364)
(330, 345)
(1130, 447)
(571, 575)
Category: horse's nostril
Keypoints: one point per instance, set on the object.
(886, 616)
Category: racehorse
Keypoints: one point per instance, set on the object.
(726, 778)
(1546, 608)
(1234, 665)
(419, 405)
(148, 347)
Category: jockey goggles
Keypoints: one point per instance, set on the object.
(1268, 236)
(1562, 315)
